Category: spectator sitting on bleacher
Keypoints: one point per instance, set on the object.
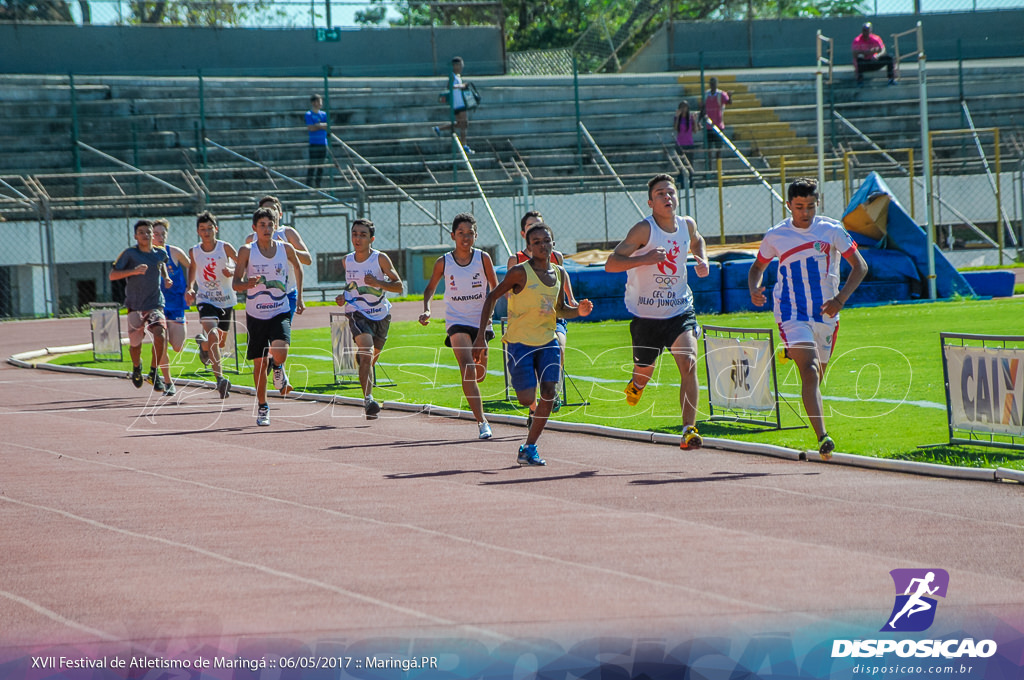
(869, 55)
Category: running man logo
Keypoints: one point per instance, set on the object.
(210, 271)
(669, 266)
(914, 609)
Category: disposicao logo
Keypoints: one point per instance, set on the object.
(913, 612)
(916, 589)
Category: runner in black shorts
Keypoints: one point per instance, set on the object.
(653, 255)
(469, 275)
(210, 287)
(652, 336)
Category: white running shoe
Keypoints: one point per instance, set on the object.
(281, 380)
(485, 431)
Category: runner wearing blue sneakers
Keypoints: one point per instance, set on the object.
(175, 304)
(529, 219)
(537, 299)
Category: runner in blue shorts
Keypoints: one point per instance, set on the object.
(529, 219)
(537, 299)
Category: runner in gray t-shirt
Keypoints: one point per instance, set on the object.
(144, 267)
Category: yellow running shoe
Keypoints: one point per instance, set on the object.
(825, 447)
(690, 440)
(633, 393)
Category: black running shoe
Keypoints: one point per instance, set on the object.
(137, 376)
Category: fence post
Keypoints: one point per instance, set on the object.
(327, 108)
(579, 131)
(76, 158)
(999, 200)
(454, 134)
(51, 265)
(721, 203)
(202, 120)
(700, 107)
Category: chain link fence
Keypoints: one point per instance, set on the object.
(57, 263)
(540, 63)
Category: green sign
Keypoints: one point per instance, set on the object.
(328, 35)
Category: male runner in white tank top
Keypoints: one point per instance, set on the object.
(262, 273)
(653, 255)
(285, 233)
(209, 287)
(369, 277)
(469, 275)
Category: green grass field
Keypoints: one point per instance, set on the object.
(884, 391)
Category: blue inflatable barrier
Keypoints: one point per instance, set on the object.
(607, 291)
(991, 283)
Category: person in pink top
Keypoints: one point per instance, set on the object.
(713, 113)
(869, 55)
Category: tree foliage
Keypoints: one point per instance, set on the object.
(533, 25)
(56, 11)
(195, 12)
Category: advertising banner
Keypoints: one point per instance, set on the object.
(985, 390)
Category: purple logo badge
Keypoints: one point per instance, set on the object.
(916, 589)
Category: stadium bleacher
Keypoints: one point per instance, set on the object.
(525, 125)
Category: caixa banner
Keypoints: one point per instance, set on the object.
(984, 384)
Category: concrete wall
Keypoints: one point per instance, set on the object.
(791, 42)
(164, 50)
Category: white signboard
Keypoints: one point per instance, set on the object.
(986, 389)
(343, 346)
(106, 332)
(739, 373)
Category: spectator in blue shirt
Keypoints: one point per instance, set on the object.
(316, 123)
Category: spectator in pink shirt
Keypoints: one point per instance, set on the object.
(869, 55)
(713, 112)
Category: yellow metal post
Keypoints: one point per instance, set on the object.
(846, 178)
(721, 203)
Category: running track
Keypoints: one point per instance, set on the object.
(125, 523)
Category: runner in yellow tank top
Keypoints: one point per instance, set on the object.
(538, 299)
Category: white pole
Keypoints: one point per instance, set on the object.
(820, 103)
(487, 203)
(926, 167)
